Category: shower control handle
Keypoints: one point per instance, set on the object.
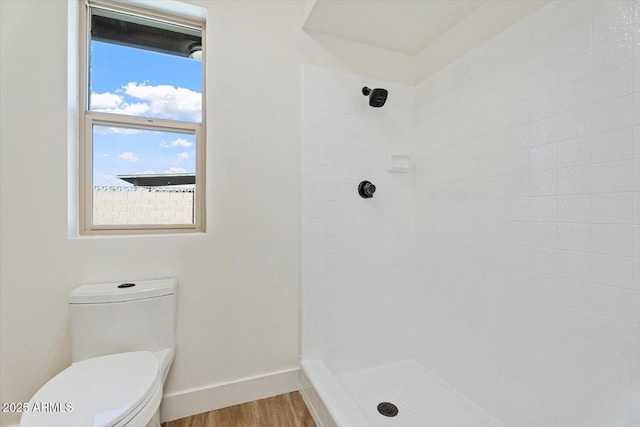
(366, 189)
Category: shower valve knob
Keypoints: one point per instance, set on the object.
(366, 189)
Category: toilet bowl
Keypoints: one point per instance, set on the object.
(118, 374)
(114, 390)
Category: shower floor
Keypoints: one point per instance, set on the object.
(422, 399)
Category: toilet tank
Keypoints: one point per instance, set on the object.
(118, 317)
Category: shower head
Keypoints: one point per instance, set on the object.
(377, 97)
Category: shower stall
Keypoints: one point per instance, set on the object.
(493, 278)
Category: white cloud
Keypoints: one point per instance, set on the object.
(105, 130)
(174, 169)
(183, 156)
(180, 142)
(107, 100)
(163, 101)
(135, 109)
(128, 155)
(111, 103)
(167, 101)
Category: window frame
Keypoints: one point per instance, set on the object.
(90, 118)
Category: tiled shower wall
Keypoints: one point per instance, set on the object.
(357, 254)
(528, 219)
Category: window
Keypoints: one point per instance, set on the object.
(142, 149)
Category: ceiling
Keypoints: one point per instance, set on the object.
(410, 26)
(397, 25)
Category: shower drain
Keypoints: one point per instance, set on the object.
(388, 409)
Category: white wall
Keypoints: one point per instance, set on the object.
(238, 283)
(357, 254)
(533, 189)
(528, 212)
(488, 19)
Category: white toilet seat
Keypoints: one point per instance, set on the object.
(109, 391)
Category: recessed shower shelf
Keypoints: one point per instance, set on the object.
(399, 163)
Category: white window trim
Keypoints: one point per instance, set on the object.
(90, 118)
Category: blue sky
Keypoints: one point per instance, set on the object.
(134, 81)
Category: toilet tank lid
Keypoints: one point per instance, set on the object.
(122, 291)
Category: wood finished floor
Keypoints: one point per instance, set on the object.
(285, 410)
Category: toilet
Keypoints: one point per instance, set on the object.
(122, 347)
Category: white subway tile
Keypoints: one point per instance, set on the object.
(574, 152)
(546, 77)
(613, 83)
(544, 156)
(601, 415)
(613, 145)
(523, 258)
(597, 359)
(517, 161)
(611, 53)
(543, 53)
(537, 285)
(312, 341)
(613, 208)
(612, 176)
(636, 207)
(543, 235)
(614, 21)
(313, 265)
(574, 12)
(601, 5)
(545, 104)
(544, 208)
(576, 179)
(574, 67)
(313, 210)
(574, 208)
(516, 233)
(619, 336)
(543, 261)
(575, 237)
(316, 155)
(603, 300)
(575, 95)
(544, 183)
(518, 208)
(612, 239)
(575, 38)
(314, 191)
(578, 266)
(512, 185)
(545, 23)
(612, 114)
(613, 271)
(518, 89)
(636, 70)
(313, 246)
(519, 137)
(312, 228)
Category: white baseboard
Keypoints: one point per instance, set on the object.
(216, 396)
